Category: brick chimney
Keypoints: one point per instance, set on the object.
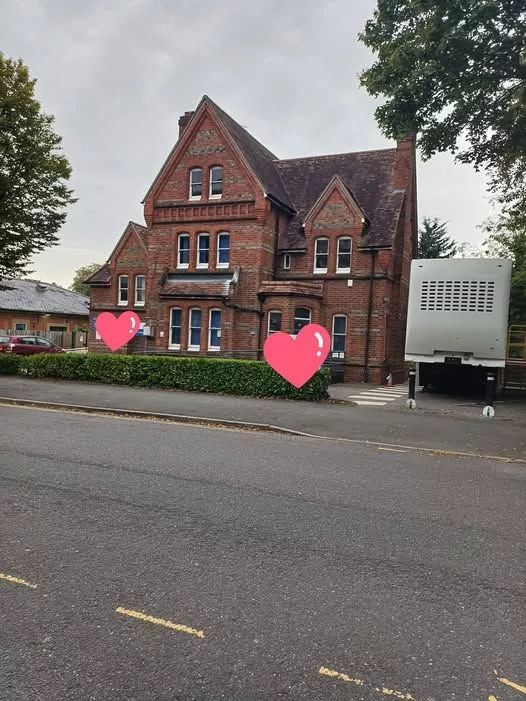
(404, 161)
(183, 122)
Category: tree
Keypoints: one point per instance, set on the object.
(454, 72)
(433, 241)
(80, 275)
(33, 173)
(507, 239)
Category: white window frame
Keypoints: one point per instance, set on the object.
(137, 303)
(286, 261)
(340, 354)
(294, 334)
(179, 264)
(198, 264)
(175, 346)
(120, 302)
(218, 238)
(190, 346)
(190, 195)
(274, 311)
(338, 269)
(216, 196)
(316, 269)
(210, 346)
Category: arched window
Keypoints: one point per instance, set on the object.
(302, 317)
(176, 319)
(343, 255)
(223, 250)
(339, 332)
(273, 322)
(214, 330)
(321, 255)
(183, 250)
(216, 182)
(196, 183)
(140, 290)
(194, 330)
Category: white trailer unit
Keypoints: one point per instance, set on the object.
(457, 318)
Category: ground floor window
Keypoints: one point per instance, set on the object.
(194, 330)
(58, 328)
(20, 326)
(273, 323)
(175, 328)
(339, 330)
(302, 317)
(214, 330)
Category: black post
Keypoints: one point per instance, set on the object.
(412, 383)
(490, 388)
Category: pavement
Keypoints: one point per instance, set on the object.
(392, 424)
(147, 561)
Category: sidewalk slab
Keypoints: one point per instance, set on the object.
(473, 435)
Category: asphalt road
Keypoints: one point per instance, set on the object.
(270, 564)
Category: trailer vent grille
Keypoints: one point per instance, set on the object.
(457, 296)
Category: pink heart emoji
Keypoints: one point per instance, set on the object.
(298, 359)
(116, 332)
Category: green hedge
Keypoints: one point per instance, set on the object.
(9, 364)
(250, 378)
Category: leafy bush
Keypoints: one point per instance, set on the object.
(9, 364)
(249, 378)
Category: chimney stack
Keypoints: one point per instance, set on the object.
(183, 122)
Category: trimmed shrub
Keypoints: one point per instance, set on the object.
(250, 378)
(9, 364)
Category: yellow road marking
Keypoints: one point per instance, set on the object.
(17, 580)
(384, 691)
(339, 675)
(517, 687)
(161, 622)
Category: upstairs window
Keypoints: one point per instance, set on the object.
(123, 290)
(223, 250)
(274, 323)
(216, 181)
(343, 262)
(321, 255)
(183, 251)
(286, 261)
(203, 250)
(302, 317)
(140, 290)
(196, 183)
(339, 330)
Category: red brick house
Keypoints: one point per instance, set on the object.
(239, 244)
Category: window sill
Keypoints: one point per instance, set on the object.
(202, 266)
(195, 198)
(122, 304)
(183, 266)
(222, 265)
(214, 350)
(174, 347)
(215, 197)
(139, 304)
(194, 349)
(343, 271)
(320, 271)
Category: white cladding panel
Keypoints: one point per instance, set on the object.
(458, 306)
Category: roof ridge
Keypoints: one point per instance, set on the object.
(334, 155)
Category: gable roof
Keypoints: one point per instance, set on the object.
(368, 177)
(102, 276)
(41, 298)
(259, 159)
(346, 192)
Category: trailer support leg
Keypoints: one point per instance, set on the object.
(411, 403)
(489, 410)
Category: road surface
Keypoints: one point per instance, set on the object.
(146, 561)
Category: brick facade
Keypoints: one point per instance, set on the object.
(273, 212)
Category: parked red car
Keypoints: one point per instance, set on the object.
(28, 345)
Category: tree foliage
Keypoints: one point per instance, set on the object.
(81, 274)
(33, 172)
(433, 240)
(454, 72)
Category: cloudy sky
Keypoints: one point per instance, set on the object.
(117, 74)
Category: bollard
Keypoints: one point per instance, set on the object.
(488, 410)
(412, 383)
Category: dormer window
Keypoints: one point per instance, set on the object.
(196, 183)
(216, 182)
